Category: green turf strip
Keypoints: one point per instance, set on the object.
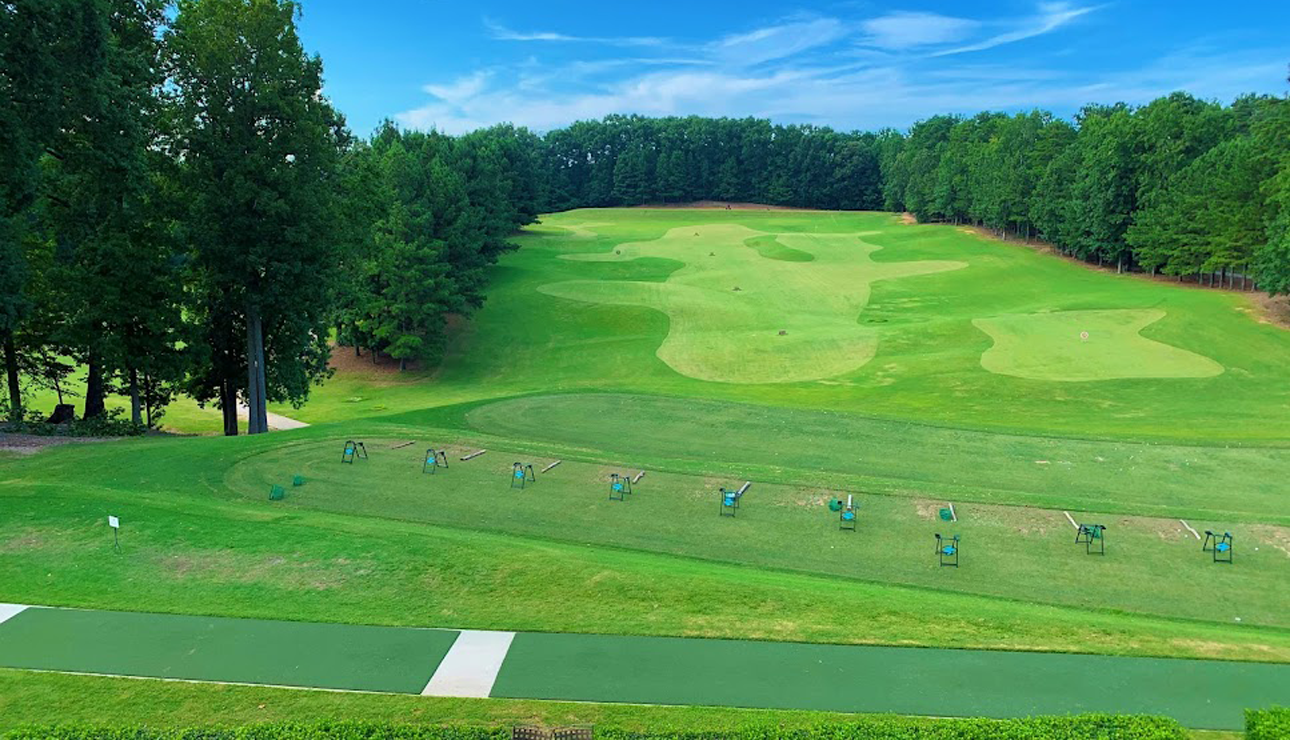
(651, 670)
(331, 656)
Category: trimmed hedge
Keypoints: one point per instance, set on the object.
(1078, 727)
(1267, 724)
(1081, 727)
(283, 731)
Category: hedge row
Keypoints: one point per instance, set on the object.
(282, 731)
(1083, 727)
(1267, 724)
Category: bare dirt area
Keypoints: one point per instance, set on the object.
(724, 206)
(30, 444)
(345, 361)
(1273, 310)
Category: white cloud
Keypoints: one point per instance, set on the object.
(776, 42)
(1051, 17)
(500, 32)
(867, 98)
(902, 30)
(890, 70)
(462, 88)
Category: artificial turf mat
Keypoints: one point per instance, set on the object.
(651, 670)
(331, 656)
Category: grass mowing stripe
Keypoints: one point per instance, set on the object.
(330, 656)
(651, 670)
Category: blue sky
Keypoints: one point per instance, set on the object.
(849, 64)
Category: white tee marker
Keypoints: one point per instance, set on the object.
(470, 668)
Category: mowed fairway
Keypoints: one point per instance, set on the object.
(743, 314)
(905, 367)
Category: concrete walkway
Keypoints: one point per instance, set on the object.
(277, 422)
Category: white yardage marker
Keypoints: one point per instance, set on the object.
(470, 668)
(9, 611)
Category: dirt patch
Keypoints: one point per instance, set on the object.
(1272, 310)
(282, 570)
(1240, 651)
(813, 498)
(30, 444)
(345, 362)
(1278, 537)
(724, 206)
(26, 542)
(929, 510)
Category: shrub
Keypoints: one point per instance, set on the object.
(1081, 727)
(1267, 724)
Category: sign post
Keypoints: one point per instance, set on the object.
(115, 524)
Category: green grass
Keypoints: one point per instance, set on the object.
(603, 376)
(928, 353)
(1087, 345)
(1155, 565)
(37, 698)
(199, 536)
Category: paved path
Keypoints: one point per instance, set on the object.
(276, 421)
(647, 670)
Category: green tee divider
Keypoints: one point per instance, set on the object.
(968, 683)
(647, 670)
(329, 656)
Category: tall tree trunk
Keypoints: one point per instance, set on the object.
(147, 399)
(11, 371)
(228, 406)
(255, 421)
(260, 372)
(136, 407)
(95, 394)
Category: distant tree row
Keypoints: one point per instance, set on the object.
(183, 211)
(1179, 186)
(630, 160)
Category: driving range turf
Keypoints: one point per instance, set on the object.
(920, 365)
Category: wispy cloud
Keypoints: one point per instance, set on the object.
(777, 41)
(888, 69)
(500, 32)
(903, 30)
(460, 89)
(1051, 17)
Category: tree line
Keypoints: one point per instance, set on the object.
(183, 211)
(1179, 186)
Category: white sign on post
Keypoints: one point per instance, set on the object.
(113, 522)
